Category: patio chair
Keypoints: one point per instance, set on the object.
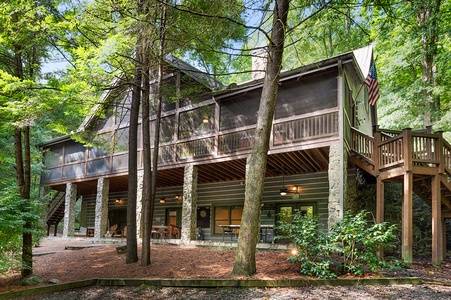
(112, 231)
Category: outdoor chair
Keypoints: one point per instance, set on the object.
(112, 231)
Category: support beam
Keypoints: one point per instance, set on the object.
(69, 209)
(101, 212)
(380, 207)
(437, 247)
(407, 212)
(189, 207)
(337, 184)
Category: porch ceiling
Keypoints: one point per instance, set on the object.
(297, 162)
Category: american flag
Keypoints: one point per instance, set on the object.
(373, 86)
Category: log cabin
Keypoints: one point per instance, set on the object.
(323, 130)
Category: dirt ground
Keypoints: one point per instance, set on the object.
(52, 261)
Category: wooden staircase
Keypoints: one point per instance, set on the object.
(55, 211)
(419, 159)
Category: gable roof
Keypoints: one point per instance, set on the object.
(193, 72)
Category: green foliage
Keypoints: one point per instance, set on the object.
(351, 246)
(14, 212)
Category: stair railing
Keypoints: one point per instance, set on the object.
(55, 204)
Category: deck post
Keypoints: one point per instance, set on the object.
(189, 206)
(437, 248)
(101, 210)
(380, 200)
(443, 238)
(69, 209)
(407, 203)
(407, 224)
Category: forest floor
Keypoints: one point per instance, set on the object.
(53, 261)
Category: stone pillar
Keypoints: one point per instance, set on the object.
(69, 209)
(189, 204)
(139, 204)
(101, 213)
(337, 184)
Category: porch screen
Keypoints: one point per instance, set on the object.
(53, 156)
(196, 122)
(74, 152)
(240, 111)
(167, 129)
(307, 95)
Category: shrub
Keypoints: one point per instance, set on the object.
(351, 246)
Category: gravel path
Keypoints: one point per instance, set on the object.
(325, 292)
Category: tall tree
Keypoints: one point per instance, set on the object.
(414, 63)
(245, 263)
(24, 35)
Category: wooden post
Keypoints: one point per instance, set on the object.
(380, 208)
(407, 203)
(407, 231)
(443, 239)
(437, 248)
(379, 200)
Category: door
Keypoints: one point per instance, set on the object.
(286, 211)
(174, 216)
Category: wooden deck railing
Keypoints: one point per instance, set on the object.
(363, 144)
(407, 148)
(293, 130)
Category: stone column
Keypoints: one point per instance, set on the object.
(189, 204)
(69, 209)
(337, 184)
(139, 204)
(101, 213)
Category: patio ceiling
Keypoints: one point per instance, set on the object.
(297, 162)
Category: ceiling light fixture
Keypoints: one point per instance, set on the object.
(162, 198)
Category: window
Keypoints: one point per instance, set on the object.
(286, 211)
(227, 215)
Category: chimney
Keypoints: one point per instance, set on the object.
(259, 59)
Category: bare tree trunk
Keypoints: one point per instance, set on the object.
(147, 163)
(427, 20)
(151, 167)
(245, 263)
(23, 175)
(132, 244)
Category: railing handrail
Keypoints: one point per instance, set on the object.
(55, 204)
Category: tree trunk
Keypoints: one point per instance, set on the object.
(132, 244)
(144, 55)
(23, 161)
(245, 263)
(23, 174)
(427, 21)
(147, 165)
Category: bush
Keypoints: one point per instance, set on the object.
(351, 246)
(13, 213)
